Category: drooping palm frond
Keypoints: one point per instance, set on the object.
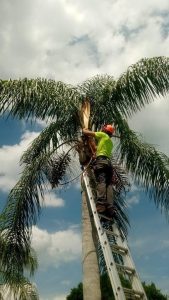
(141, 83)
(15, 257)
(49, 140)
(148, 166)
(134, 89)
(39, 98)
(13, 283)
(24, 201)
(21, 289)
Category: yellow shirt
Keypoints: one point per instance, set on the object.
(104, 144)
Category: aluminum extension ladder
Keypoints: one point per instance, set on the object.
(121, 248)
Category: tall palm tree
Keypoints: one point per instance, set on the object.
(112, 101)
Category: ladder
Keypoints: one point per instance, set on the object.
(120, 248)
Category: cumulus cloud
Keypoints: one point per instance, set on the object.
(153, 123)
(60, 296)
(59, 247)
(9, 161)
(51, 199)
(78, 40)
(132, 201)
(10, 169)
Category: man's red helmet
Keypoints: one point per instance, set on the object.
(109, 129)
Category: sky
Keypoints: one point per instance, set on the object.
(72, 40)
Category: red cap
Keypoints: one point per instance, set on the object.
(109, 128)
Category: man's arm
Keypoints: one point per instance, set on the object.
(88, 132)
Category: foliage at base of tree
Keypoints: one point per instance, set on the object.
(76, 293)
(153, 293)
(151, 290)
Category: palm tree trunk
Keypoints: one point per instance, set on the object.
(91, 277)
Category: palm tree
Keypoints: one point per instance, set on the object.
(111, 101)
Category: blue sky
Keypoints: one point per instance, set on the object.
(72, 40)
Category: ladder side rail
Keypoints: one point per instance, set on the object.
(110, 263)
(128, 261)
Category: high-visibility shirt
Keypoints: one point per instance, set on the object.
(104, 144)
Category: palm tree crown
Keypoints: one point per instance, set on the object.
(112, 101)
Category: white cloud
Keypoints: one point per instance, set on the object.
(9, 160)
(78, 41)
(153, 123)
(59, 247)
(10, 169)
(132, 201)
(60, 297)
(50, 199)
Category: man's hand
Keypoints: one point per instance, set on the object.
(88, 132)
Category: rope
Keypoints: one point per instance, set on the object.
(79, 174)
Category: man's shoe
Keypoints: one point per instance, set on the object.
(100, 207)
(110, 211)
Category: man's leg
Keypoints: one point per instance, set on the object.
(100, 176)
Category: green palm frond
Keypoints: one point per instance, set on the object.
(141, 83)
(38, 98)
(137, 87)
(49, 140)
(15, 258)
(12, 280)
(24, 290)
(21, 289)
(24, 205)
(149, 167)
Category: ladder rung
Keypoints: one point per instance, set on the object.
(127, 270)
(119, 249)
(110, 232)
(104, 217)
(133, 294)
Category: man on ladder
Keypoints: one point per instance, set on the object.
(103, 168)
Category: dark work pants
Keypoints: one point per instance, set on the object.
(103, 175)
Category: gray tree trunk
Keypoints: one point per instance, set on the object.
(91, 276)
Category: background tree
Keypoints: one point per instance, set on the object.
(112, 101)
(152, 292)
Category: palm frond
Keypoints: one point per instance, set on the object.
(39, 98)
(141, 83)
(149, 167)
(23, 206)
(12, 265)
(49, 140)
(15, 258)
(20, 289)
(21, 212)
